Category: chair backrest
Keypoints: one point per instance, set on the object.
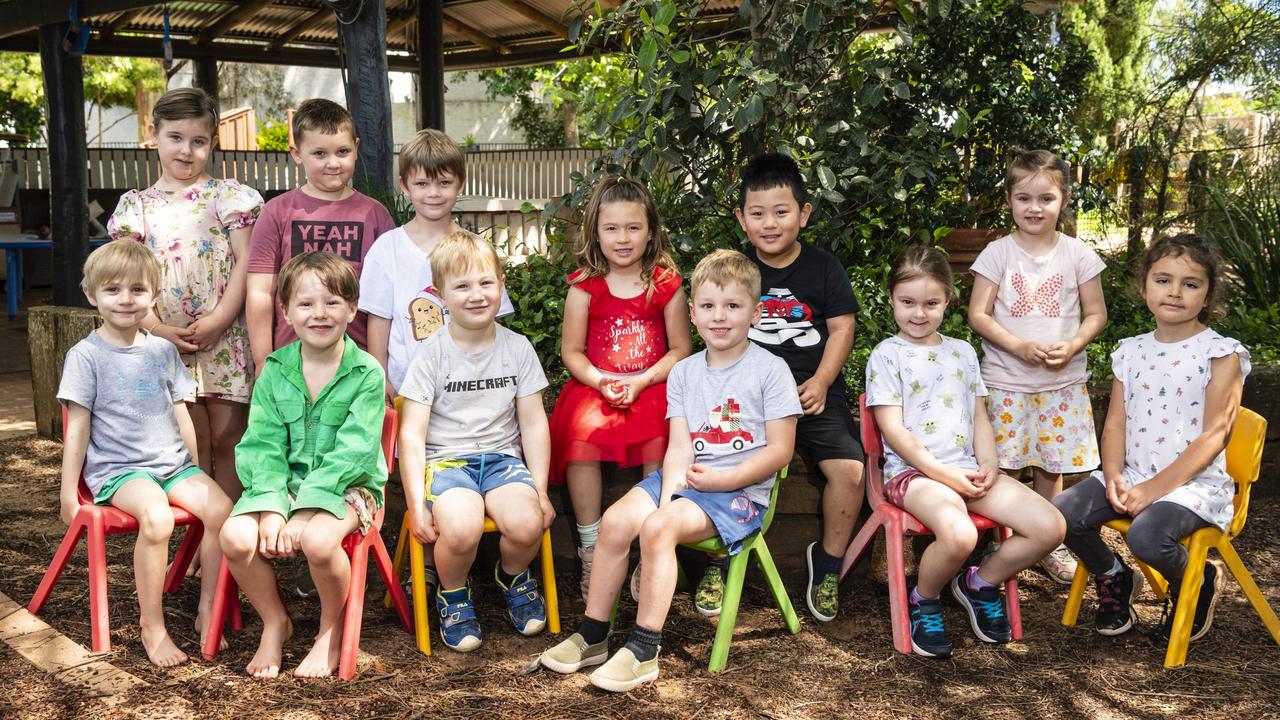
(873, 448)
(82, 490)
(1244, 461)
(773, 498)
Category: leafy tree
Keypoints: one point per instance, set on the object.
(254, 85)
(21, 94)
(124, 82)
(273, 134)
(1116, 34)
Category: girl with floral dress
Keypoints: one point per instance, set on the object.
(199, 229)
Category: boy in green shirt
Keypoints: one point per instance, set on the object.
(311, 460)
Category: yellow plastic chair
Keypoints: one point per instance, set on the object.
(409, 546)
(1244, 460)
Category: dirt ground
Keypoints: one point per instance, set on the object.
(846, 668)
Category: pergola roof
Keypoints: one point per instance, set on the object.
(477, 33)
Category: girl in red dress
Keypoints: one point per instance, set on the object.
(625, 325)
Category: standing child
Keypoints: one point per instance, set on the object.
(625, 326)
(733, 411)
(130, 431)
(1174, 400)
(199, 229)
(940, 459)
(311, 460)
(1029, 291)
(325, 214)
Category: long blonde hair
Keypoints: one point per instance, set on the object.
(655, 264)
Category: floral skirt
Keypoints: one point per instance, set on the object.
(1051, 430)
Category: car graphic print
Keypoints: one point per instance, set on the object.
(723, 428)
(784, 318)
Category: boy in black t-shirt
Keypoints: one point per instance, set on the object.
(807, 319)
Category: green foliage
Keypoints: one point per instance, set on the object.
(1115, 33)
(21, 95)
(108, 82)
(542, 126)
(116, 81)
(1243, 220)
(254, 85)
(537, 289)
(273, 134)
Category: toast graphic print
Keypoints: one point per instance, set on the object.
(426, 314)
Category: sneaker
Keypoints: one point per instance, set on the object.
(1116, 593)
(573, 654)
(985, 608)
(624, 672)
(928, 637)
(585, 556)
(710, 593)
(459, 628)
(1209, 590)
(635, 583)
(1059, 565)
(822, 597)
(525, 608)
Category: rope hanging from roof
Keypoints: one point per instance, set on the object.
(346, 10)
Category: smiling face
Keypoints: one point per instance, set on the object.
(184, 147)
(1036, 202)
(472, 297)
(317, 315)
(919, 305)
(433, 198)
(1176, 290)
(772, 219)
(122, 302)
(724, 315)
(623, 233)
(329, 160)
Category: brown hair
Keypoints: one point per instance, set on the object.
(460, 251)
(325, 116)
(122, 260)
(723, 267)
(185, 104)
(922, 261)
(336, 274)
(1197, 250)
(656, 262)
(434, 153)
(1029, 163)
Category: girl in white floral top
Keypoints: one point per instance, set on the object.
(199, 229)
(1174, 401)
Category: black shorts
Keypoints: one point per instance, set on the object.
(830, 435)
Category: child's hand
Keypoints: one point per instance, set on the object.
(390, 394)
(1116, 494)
(1140, 496)
(964, 482)
(628, 390)
(69, 507)
(548, 511)
(1033, 353)
(177, 336)
(269, 526)
(611, 389)
(207, 330)
(422, 525)
(986, 477)
(1059, 354)
(701, 477)
(289, 542)
(813, 396)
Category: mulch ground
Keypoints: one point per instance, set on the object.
(846, 668)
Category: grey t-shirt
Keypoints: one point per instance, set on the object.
(726, 408)
(473, 395)
(131, 392)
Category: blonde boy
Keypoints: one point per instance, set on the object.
(128, 428)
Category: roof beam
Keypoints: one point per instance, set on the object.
(231, 19)
(541, 19)
(314, 21)
(119, 23)
(478, 38)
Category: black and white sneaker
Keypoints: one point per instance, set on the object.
(1116, 593)
(1210, 589)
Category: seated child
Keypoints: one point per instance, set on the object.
(733, 410)
(1188, 378)
(128, 427)
(474, 428)
(940, 459)
(311, 460)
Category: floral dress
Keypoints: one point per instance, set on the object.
(189, 232)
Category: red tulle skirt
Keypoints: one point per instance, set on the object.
(585, 428)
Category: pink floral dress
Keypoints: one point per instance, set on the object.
(189, 232)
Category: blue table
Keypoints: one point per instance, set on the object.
(13, 245)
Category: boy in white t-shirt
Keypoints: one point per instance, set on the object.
(396, 288)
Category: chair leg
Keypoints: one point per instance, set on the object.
(1155, 580)
(860, 543)
(1075, 598)
(187, 551)
(397, 565)
(774, 581)
(1012, 603)
(1250, 588)
(421, 630)
(99, 622)
(549, 584)
(1188, 598)
(897, 571)
(392, 580)
(57, 564)
(729, 610)
(223, 593)
(354, 614)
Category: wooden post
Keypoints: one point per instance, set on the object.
(369, 94)
(206, 77)
(431, 64)
(52, 331)
(1136, 179)
(68, 164)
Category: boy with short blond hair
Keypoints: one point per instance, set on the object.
(474, 441)
(129, 431)
(324, 214)
(732, 409)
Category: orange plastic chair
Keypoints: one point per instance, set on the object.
(357, 547)
(1244, 462)
(898, 524)
(98, 522)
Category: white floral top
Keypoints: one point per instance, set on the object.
(189, 232)
(1164, 393)
(937, 386)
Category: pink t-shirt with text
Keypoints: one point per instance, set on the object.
(1037, 299)
(295, 223)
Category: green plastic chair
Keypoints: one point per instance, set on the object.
(737, 574)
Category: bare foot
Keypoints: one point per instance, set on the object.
(322, 660)
(202, 627)
(266, 661)
(161, 649)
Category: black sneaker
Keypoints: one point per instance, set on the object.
(985, 608)
(928, 637)
(1116, 593)
(1209, 591)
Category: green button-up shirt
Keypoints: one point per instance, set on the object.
(299, 454)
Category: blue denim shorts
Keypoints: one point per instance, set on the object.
(735, 516)
(477, 473)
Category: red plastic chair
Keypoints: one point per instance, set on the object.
(897, 524)
(99, 521)
(357, 547)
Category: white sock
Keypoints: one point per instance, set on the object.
(587, 534)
